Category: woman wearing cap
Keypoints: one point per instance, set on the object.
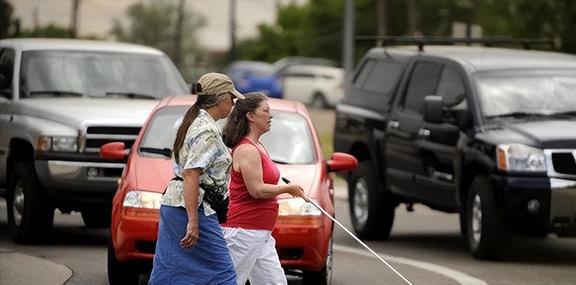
(191, 248)
(253, 190)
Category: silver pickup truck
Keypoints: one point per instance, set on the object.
(60, 100)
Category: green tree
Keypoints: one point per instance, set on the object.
(6, 21)
(153, 23)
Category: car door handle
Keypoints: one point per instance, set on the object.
(393, 125)
(423, 134)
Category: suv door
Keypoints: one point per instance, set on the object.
(402, 158)
(436, 144)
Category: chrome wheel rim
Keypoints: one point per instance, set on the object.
(361, 202)
(476, 219)
(18, 204)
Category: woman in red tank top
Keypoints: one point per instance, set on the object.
(253, 208)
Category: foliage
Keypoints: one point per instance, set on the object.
(48, 31)
(153, 23)
(315, 29)
(5, 19)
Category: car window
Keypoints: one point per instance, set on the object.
(451, 87)
(289, 140)
(378, 76)
(423, 82)
(99, 74)
(7, 71)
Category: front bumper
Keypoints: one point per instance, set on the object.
(135, 234)
(537, 204)
(78, 178)
(302, 242)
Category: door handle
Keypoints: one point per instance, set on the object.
(423, 134)
(393, 125)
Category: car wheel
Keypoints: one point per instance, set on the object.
(318, 101)
(324, 276)
(371, 209)
(30, 215)
(97, 219)
(488, 236)
(120, 273)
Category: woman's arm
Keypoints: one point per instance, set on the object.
(247, 160)
(191, 183)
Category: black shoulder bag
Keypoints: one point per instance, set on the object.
(216, 199)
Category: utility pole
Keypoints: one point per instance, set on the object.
(178, 34)
(348, 45)
(412, 22)
(232, 30)
(74, 18)
(382, 20)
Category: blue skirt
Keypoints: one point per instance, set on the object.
(206, 263)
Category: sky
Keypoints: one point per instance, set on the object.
(97, 16)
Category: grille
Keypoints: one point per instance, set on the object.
(97, 136)
(564, 163)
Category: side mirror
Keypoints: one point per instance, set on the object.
(113, 151)
(433, 109)
(342, 162)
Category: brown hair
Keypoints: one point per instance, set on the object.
(202, 102)
(237, 125)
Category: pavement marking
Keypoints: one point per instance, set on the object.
(458, 276)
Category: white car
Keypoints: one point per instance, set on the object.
(318, 86)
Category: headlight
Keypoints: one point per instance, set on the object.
(520, 158)
(297, 207)
(142, 199)
(57, 143)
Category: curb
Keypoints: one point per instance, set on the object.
(21, 269)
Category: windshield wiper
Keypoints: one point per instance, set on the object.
(57, 93)
(163, 151)
(564, 114)
(132, 95)
(517, 115)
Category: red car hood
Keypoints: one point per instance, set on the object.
(153, 174)
(301, 174)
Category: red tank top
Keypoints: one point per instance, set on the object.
(245, 211)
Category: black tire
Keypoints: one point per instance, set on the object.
(324, 276)
(488, 236)
(318, 101)
(120, 273)
(30, 215)
(97, 218)
(371, 209)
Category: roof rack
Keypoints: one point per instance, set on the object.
(486, 41)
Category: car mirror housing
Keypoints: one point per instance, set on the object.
(342, 162)
(113, 151)
(433, 109)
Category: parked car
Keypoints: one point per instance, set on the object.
(285, 62)
(60, 100)
(255, 76)
(318, 86)
(488, 133)
(303, 235)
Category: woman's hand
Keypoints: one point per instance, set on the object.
(192, 235)
(297, 191)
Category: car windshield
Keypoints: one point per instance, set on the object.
(289, 141)
(527, 94)
(98, 74)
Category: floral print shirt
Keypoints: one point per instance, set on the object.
(202, 148)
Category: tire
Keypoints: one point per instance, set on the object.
(96, 218)
(318, 101)
(487, 236)
(30, 215)
(324, 276)
(120, 273)
(371, 209)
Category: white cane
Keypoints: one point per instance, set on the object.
(309, 200)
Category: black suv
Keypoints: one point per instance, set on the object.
(488, 133)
